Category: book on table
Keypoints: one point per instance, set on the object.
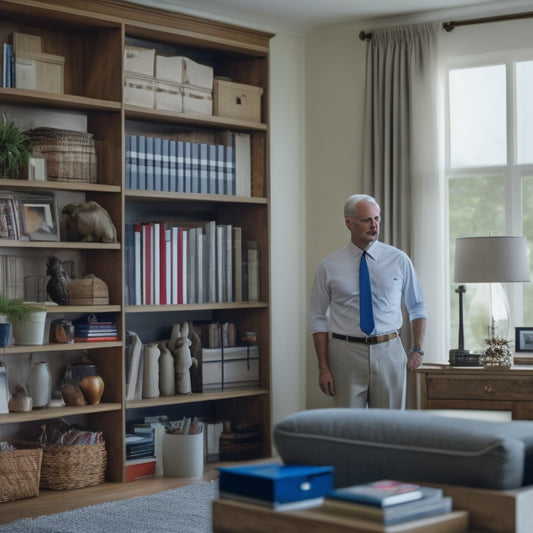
(280, 487)
(432, 503)
(380, 493)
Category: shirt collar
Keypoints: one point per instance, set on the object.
(371, 250)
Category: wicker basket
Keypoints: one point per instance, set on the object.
(88, 290)
(20, 471)
(73, 467)
(70, 155)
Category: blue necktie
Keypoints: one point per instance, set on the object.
(365, 295)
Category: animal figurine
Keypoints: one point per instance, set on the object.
(57, 286)
(91, 221)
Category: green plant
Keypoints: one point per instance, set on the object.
(15, 148)
(16, 310)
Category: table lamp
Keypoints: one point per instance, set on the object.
(492, 260)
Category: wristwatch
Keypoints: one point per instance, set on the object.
(418, 350)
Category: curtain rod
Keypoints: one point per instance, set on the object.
(449, 26)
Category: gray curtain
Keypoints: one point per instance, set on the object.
(400, 66)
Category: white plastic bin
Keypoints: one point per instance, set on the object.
(183, 455)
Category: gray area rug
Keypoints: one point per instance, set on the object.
(183, 510)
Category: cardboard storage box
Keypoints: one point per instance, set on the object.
(197, 100)
(237, 100)
(197, 74)
(169, 68)
(41, 72)
(139, 60)
(139, 90)
(168, 96)
(239, 370)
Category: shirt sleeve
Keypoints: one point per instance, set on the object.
(413, 295)
(320, 298)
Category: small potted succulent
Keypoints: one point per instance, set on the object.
(15, 150)
(27, 319)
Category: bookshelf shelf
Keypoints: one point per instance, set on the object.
(58, 412)
(91, 37)
(196, 398)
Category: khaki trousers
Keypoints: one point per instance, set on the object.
(368, 375)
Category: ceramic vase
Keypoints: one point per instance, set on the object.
(166, 371)
(151, 371)
(92, 388)
(40, 385)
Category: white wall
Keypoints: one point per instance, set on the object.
(334, 141)
(288, 227)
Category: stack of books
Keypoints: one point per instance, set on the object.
(95, 329)
(387, 502)
(279, 487)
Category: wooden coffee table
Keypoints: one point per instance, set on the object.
(236, 517)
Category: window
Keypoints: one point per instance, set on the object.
(490, 169)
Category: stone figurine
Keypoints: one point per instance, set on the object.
(91, 221)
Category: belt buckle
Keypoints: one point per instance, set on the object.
(371, 339)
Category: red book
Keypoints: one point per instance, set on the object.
(96, 339)
(142, 467)
(162, 264)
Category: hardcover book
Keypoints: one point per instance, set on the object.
(276, 486)
(432, 503)
(380, 493)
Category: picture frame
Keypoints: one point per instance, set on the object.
(524, 339)
(38, 217)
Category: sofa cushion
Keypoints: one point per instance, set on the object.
(368, 444)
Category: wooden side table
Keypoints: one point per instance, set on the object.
(446, 387)
(237, 517)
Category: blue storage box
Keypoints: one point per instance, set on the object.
(276, 486)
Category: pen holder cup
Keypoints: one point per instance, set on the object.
(183, 455)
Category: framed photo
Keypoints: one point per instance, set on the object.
(38, 216)
(524, 339)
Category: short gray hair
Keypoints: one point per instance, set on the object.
(353, 200)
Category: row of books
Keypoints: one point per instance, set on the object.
(8, 66)
(281, 487)
(170, 264)
(96, 327)
(168, 165)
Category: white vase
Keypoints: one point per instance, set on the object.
(30, 332)
(166, 371)
(151, 371)
(40, 385)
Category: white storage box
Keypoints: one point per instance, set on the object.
(197, 74)
(168, 96)
(139, 60)
(240, 368)
(237, 100)
(198, 101)
(139, 90)
(43, 72)
(169, 68)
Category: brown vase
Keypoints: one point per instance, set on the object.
(93, 388)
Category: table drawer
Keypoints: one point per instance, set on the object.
(482, 388)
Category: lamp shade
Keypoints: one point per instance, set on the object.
(491, 259)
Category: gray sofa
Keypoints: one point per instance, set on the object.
(369, 444)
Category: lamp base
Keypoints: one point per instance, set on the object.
(465, 358)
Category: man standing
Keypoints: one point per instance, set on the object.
(356, 314)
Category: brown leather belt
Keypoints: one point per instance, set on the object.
(372, 339)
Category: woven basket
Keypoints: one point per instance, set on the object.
(73, 467)
(70, 155)
(20, 471)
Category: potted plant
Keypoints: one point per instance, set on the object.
(27, 319)
(15, 150)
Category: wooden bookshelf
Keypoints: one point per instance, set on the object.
(91, 37)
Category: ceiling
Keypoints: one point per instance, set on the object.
(301, 16)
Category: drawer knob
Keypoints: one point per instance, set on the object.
(487, 388)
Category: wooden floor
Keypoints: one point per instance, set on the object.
(53, 501)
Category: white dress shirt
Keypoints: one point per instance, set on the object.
(335, 293)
